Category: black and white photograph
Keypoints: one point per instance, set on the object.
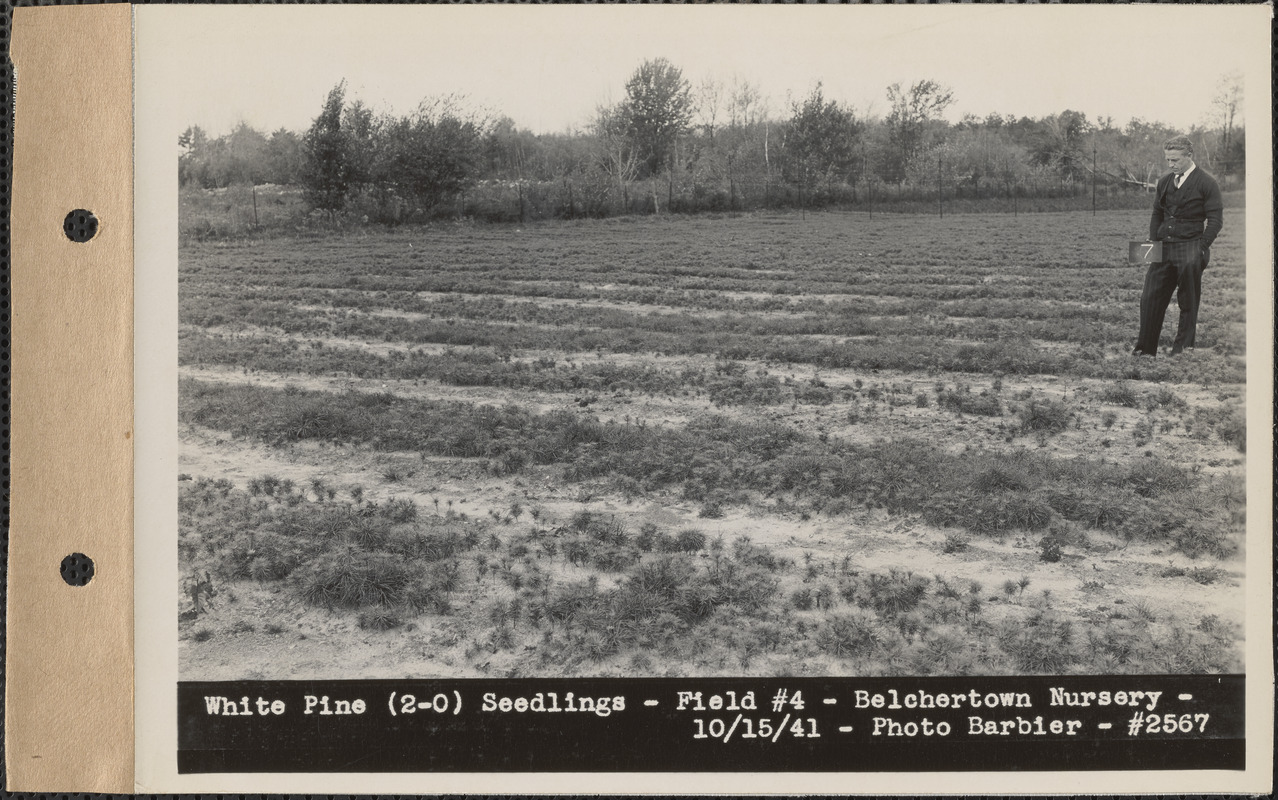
(702, 343)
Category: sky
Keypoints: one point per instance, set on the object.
(549, 67)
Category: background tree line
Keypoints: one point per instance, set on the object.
(669, 145)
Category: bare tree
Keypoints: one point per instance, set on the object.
(709, 101)
(1228, 105)
(616, 155)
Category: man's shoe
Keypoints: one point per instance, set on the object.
(1137, 353)
(1177, 350)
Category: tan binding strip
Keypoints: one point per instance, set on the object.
(69, 666)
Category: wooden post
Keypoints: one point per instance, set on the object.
(255, 222)
(940, 189)
(803, 210)
(1093, 176)
(869, 185)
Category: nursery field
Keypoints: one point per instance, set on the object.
(766, 444)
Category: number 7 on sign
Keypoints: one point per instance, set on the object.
(1145, 252)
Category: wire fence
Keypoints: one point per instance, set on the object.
(250, 210)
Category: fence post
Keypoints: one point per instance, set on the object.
(1093, 176)
(940, 189)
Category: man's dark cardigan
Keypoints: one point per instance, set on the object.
(1179, 214)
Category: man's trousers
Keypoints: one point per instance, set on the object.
(1180, 271)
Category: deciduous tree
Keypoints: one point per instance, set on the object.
(659, 109)
(913, 111)
(436, 152)
(821, 139)
(326, 156)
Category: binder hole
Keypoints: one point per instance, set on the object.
(77, 569)
(80, 225)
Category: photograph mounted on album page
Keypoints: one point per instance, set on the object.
(697, 399)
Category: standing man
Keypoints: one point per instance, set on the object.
(1188, 213)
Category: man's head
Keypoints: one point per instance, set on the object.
(1179, 152)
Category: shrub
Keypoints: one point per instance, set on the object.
(696, 601)
(352, 580)
(1206, 575)
(614, 559)
(380, 619)
(1027, 512)
(1143, 432)
(999, 479)
(397, 510)
(1044, 416)
(1166, 398)
(1121, 394)
(939, 652)
(1049, 549)
(1196, 539)
(647, 538)
(850, 634)
(802, 599)
(1233, 430)
(663, 576)
(1151, 477)
(896, 592)
(690, 540)
(711, 510)
(964, 402)
(1042, 643)
(955, 543)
